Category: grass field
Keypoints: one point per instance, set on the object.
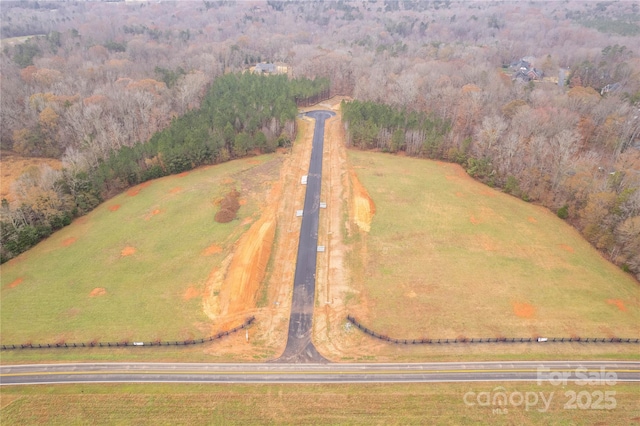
(11, 41)
(448, 257)
(135, 267)
(434, 403)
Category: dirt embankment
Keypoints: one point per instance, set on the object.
(247, 268)
(349, 211)
(232, 288)
(363, 206)
(244, 284)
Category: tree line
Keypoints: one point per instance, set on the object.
(373, 125)
(241, 113)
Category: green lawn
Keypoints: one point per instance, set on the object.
(449, 257)
(433, 403)
(46, 291)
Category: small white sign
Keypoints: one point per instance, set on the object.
(323, 205)
(320, 248)
(299, 213)
(138, 343)
(303, 180)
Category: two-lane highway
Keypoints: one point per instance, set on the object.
(608, 372)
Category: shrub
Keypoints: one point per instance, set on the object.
(229, 207)
(284, 141)
(225, 215)
(563, 212)
(512, 186)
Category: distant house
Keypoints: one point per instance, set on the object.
(535, 74)
(520, 65)
(270, 68)
(524, 71)
(264, 68)
(611, 88)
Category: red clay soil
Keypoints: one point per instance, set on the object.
(532, 219)
(153, 213)
(248, 266)
(618, 303)
(606, 331)
(364, 208)
(191, 293)
(132, 192)
(16, 282)
(183, 174)
(98, 291)
(474, 220)
(127, 251)
(175, 190)
(114, 207)
(212, 249)
(488, 244)
(231, 290)
(566, 247)
(523, 310)
(67, 242)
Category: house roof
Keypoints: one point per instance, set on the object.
(264, 67)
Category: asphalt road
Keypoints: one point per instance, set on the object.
(299, 347)
(605, 372)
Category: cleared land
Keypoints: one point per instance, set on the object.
(437, 403)
(414, 249)
(137, 267)
(152, 263)
(436, 254)
(15, 40)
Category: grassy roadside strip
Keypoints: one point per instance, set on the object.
(207, 353)
(415, 403)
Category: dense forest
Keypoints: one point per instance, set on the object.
(541, 99)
